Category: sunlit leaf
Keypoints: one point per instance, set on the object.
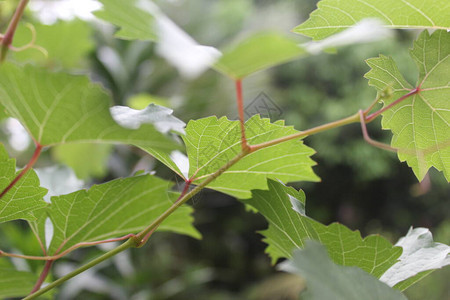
(333, 16)
(421, 123)
(258, 52)
(289, 228)
(326, 280)
(212, 142)
(58, 108)
(114, 209)
(24, 197)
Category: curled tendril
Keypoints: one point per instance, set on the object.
(31, 44)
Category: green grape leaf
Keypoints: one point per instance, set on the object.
(114, 209)
(420, 123)
(15, 283)
(289, 227)
(134, 22)
(333, 16)
(258, 52)
(212, 142)
(420, 254)
(84, 166)
(58, 41)
(24, 197)
(326, 280)
(58, 108)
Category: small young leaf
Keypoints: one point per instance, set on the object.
(420, 123)
(58, 108)
(333, 16)
(114, 209)
(420, 254)
(289, 227)
(212, 142)
(15, 283)
(326, 280)
(258, 52)
(24, 197)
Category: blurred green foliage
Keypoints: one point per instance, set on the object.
(362, 187)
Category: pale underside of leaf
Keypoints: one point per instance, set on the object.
(420, 254)
(333, 16)
(326, 280)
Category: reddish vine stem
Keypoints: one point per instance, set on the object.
(9, 35)
(64, 253)
(32, 161)
(370, 117)
(44, 273)
(146, 237)
(185, 189)
(240, 105)
(368, 139)
(183, 193)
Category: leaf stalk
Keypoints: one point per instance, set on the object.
(9, 35)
